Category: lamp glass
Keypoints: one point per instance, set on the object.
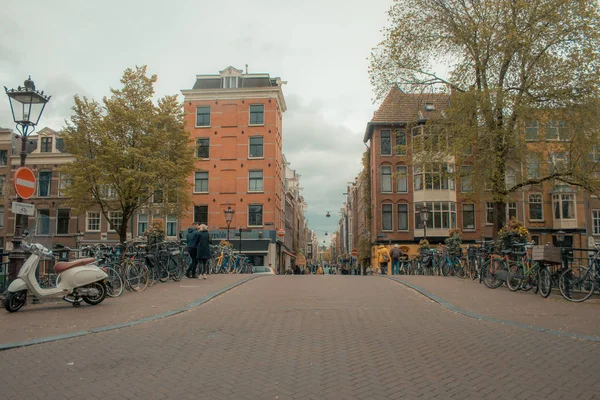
(229, 214)
(27, 106)
(560, 236)
(424, 214)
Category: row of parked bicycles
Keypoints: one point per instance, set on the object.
(135, 266)
(576, 278)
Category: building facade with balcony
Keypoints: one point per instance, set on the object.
(235, 121)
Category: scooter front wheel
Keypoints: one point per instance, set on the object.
(14, 301)
(94, 300)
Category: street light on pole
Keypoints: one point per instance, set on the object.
(228, 218)
(424, 218)
(27, 106)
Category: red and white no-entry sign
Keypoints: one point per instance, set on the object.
(24, 182)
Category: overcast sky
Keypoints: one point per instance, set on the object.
(320, 48)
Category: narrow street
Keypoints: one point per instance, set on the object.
(303, 337)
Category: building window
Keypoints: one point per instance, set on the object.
(558, 162)
(442, 215)
(142, 224)
(3, 158)
(401, 142)
(92, 221)
(64, 181)
(386, 179)
(402, 217)
(201, 214)
(62, 221)
(230, 82)
(594, 155)
(564, 205)
(256, 147)
(531, 130)
(533, 166)
(535, 207)
(203, 116)
(45, 179)
(46, 145)
(386, 217)
(426, 139)
(510, 179)
(557, 130)
(201, 182)
(466, 178)
(596, 222)
(255, 183)
(468, 217)
(257, 114)
(116, 219)
(489, 213)
(433, 177)
(1, 216)
(511, 210)
(386, 142)
(171, 225)
(203, 147)
(255, 215)
(2, 184)
(402, 179)
(43, 222)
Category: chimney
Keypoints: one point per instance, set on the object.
(246, 69)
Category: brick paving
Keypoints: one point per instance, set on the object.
(308, 337)
(554, 313)
(51, 318)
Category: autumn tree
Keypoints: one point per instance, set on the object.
(130, 153)
(522, 78)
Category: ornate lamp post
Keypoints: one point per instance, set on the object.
(228, 217)
(560, 240)
(424, 218)
(27, 106)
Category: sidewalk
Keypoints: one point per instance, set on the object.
(553, 313)
(57, 318)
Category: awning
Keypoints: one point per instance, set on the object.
(288, 253)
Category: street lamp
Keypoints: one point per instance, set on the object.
(328, 215)
(424, 214)
(560, 237)
(228, 217)
(27, 106)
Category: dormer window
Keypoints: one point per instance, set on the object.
(429, 107)
(46, 146)
(230, 82)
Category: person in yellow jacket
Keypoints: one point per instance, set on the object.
(383, 256)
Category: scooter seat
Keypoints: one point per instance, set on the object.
(63, 266)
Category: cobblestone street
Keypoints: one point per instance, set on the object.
(303, 337)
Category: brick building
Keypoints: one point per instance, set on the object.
(235, 119)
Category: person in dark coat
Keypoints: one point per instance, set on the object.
(203, 252)
(192, 247)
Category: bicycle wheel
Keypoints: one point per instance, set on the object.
(515, 276)
(545, 281)
(490, 279)
(446, 267)
(458, 269)
(176, 268)
(114, 282)
(577, 284)
(137, 276)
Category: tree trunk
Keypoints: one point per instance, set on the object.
(123, 229)
(499, 217)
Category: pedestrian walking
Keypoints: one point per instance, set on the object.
(192, 247)
(396, 254)
(383, 256)
(203, 251)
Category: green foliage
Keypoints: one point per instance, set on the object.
(424, 245)
(509, 62)
(156, 233)
(453, 241)
(126, 149)
(513, 232)
(364, 249)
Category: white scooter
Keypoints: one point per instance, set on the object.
(78, 280)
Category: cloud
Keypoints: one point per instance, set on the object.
(326, 155)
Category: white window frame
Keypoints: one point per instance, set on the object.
(263, 147)
(196, 117)
(391, 180)
(39, 186)
(198, 148)
(110, 218)
(381, 153)
(530, 125)
(250, 114)
(541, 202)
(87, 221)
(466, 178)
(596, 222)
(474, 217)
(489, 206)
(391, 217)
(262, 181)
(401, 177)
(560, 198)
(207, 181)
(508, 208)
(147, 222)
(407, 216)
(171, 219)
(262, 214)
(68, 221)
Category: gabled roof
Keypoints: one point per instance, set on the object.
(400, 108)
